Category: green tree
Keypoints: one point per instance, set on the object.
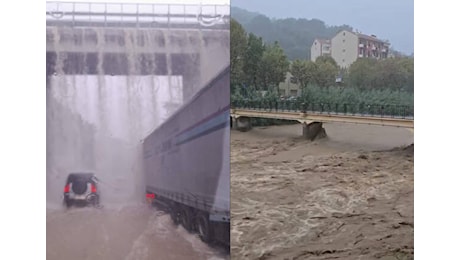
(274, 66)
(298, 71)
(388, 75)
(238, 45)
(325, 74)
(393, 74)
(327, 59)
(326, 71)
(407, 66)
(312, 72)
(304, 71)
(252, 59)
(361, 73)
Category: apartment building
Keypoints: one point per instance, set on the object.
(347, 47)
(290, 87)
(320, 47)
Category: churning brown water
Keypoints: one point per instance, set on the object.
(335, 198)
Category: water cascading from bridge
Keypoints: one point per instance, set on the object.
(105, 94)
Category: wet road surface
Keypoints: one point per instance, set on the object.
(136, 232)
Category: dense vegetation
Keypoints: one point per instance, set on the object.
(367, 86)
(396, 74)
(255, 63)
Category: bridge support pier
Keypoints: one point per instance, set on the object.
(314, 130)
(242, 123)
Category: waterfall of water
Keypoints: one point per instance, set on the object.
(110, 87)
(96, 121)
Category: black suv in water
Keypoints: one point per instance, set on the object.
(81, 190)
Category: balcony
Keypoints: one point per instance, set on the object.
(361, 45)
(360, 55)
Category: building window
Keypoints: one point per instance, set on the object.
(343, 50)
(343, 33)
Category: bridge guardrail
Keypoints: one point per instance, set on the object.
(361, 109)
(137, 15)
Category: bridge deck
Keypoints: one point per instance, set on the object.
(407, 122)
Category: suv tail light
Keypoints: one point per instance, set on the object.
(67, 188)
(149, 197)
(93, 188)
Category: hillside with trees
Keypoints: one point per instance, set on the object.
(254, 62)
(258, 65)
(294, 36)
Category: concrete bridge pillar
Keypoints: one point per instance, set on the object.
(242, 123)
(314, 130)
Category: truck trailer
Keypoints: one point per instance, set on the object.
(187, 163)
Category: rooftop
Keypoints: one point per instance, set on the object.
(323, 41)
(370, 37)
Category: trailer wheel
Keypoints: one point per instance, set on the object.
(204, 228)
(186, 219)
(176, 216)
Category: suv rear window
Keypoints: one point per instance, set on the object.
(80, 177)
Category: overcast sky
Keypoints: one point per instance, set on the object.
(391, 20)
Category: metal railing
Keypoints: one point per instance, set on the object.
(362, 109)
(137, 15)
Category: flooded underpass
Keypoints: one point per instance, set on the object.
(107, 88)
(136, 232)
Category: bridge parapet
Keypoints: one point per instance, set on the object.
(77, 14)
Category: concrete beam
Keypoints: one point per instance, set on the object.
(119, 40)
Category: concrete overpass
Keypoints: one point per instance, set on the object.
(138, 39)
(109, 68)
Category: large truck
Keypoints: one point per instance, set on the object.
(187, 163)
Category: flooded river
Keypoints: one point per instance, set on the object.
(349, 196)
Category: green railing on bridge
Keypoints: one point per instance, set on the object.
(361, 109)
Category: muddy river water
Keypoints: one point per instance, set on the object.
(349, 196)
